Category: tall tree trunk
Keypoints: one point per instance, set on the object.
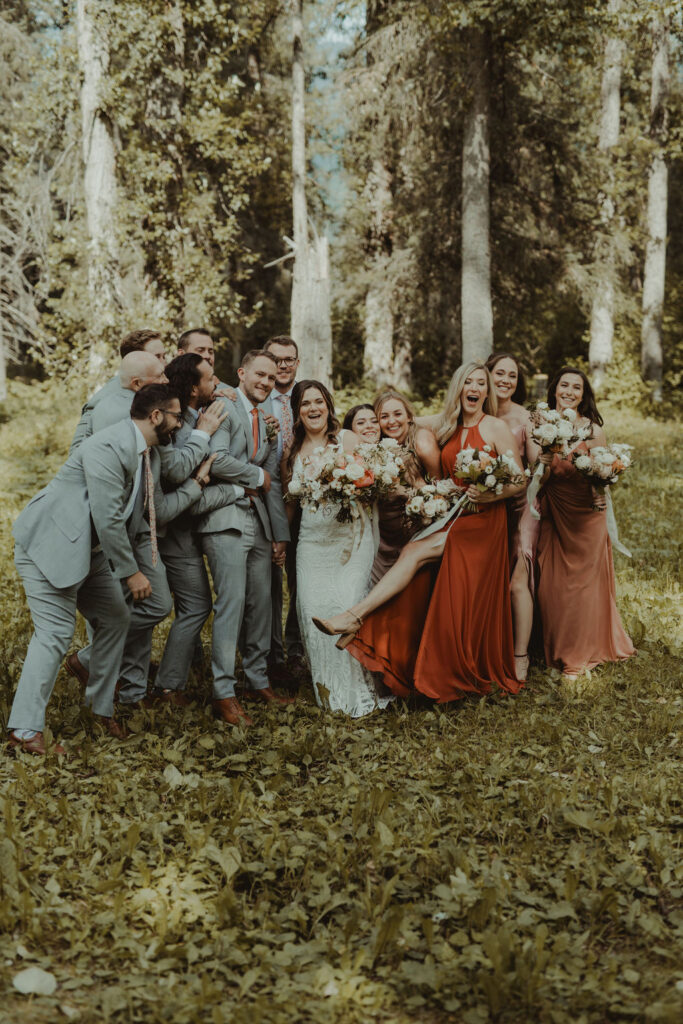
(3, 367)
(602, 313)
(477, 312)
(99, 160)
(655, 254)
(311, 325)
(378, 355)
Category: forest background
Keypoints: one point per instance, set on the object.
(488, 174)
(469, 175)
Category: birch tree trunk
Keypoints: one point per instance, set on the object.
(3, 367)
(655, 253)
(99, 159)
(477, 312)
(602, 313)
(311, 325)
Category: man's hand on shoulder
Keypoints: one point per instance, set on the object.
(225, 392)
(210, 420)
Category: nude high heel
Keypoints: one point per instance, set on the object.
(347, 635)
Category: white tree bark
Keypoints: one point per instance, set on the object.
(3, 367)
(99, 158)
(602, 313)
(311, 324)
(477, 311)
(655, 253)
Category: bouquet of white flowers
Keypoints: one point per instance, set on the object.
(603, 465)
(348, 481)
(553, 431)
(487, 470)
(432, 501)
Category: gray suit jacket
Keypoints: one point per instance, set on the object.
(84, 428)
(233, 443)
(85, 503)
(177, 538)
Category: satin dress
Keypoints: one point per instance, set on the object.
(576, 586)
(453, 638)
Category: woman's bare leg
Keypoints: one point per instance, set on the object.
(413, 557)
(522, 614)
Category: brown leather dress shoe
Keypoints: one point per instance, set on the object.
(75, 669)
(113, 727)
(34, 745)
(176, 697)
(266, 696)
(230, 711)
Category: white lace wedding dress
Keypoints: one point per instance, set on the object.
(333, 564)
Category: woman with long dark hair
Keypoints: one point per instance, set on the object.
(510, 388)
(333, 559)
(576, 587)
(362, 420)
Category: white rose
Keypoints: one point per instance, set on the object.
(583, 462)
(431, 507)
(499, 488)
(569, 414)
(354, 471)
(490, 481)
(414, 506)
(444, 486)
(386, 478)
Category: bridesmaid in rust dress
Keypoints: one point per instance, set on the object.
(510, 388)
(388, 641)
(466, 644)
(576, 587)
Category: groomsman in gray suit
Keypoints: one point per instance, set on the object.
(286, 352)
(137, 341)
(137, 369)
(194, 381)
(176, 465)
(242, 539)
(74, 551)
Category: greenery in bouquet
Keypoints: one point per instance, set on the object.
(603, 466)
(347, 482)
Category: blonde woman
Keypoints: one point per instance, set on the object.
(462, 641)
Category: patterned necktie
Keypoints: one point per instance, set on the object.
(149, 505)
(287, 424)
(254, 430)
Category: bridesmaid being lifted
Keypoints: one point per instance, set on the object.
(466, 644)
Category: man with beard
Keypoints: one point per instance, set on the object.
(74, 550)
(176, 467)
(242, 539)
(193, 379)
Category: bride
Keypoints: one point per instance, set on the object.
(333, 561)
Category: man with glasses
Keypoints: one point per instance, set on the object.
(286, 354)
(75, 549)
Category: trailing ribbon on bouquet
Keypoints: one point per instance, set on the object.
(438, 524)
(612, 531)
(533, 489)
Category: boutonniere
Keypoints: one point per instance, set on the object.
(272, 428)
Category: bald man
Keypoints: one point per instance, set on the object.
(137, 369)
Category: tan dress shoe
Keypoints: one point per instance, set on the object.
(75, 669)
(266, 696)
(230, 711)
(113, 727)
(176, 697)
(34, 745)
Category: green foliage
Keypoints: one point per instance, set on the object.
(512, 859)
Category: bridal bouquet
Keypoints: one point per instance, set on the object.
(553, 431)
(432, 500)
(345, 480)
(603, 465)
(487, 470)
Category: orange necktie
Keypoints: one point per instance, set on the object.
(254, 430)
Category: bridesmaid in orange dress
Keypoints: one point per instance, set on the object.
(576, 588)
(466, 644)
(510, 388)
(388, 641)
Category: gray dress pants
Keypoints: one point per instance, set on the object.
(100, 599)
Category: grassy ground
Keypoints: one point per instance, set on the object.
(513, 859)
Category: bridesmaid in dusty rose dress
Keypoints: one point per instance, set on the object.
(576, 588)
(510, 388)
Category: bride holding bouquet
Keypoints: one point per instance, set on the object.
(336, 481)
